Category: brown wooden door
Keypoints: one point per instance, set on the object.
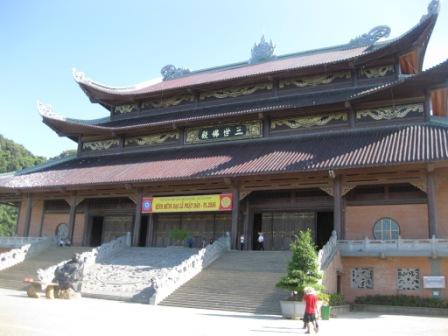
(280, 227)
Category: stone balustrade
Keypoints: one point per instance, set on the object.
(328, 251)
(90, 257)
(169, 279)
(22, 248)
(15, 242)
(399, 247)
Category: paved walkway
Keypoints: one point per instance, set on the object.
(20, 315)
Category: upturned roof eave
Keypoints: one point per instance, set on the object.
(105, 95)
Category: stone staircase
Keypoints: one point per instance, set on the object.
(12, 277)
(238, 281)
(126, 276)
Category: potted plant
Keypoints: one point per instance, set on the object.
(303, 271)
(178, 236)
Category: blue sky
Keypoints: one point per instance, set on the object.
(121, 43)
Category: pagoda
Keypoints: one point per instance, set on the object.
(351, 139)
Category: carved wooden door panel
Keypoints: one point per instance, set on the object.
(280, 227)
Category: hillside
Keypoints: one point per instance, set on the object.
(13, 157)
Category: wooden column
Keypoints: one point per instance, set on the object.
(137, 219)
(71, 218)
(150, 232)
(246, 225)
(29, 210)
(42, 217)
(432, 209)
(337, 208)
(235, 215)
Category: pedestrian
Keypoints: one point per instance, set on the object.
(242, 242)
(260, 241)
(310, 299)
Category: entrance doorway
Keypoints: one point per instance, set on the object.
(257, 228)
(324, 227)
(96, 234)
(143, 231)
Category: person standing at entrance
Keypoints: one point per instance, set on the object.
(242, 242)
(260, 241)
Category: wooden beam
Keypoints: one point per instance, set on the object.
(235, 215)
(432, 209)
(337, 206)
(150, 232)
(137, 219)
(71, 218)
(29, 210)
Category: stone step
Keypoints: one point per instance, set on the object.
(238, 281)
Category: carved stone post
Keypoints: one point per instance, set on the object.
(432, 209)
(235, 215)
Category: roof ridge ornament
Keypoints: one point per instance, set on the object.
(79, 76)
(371, 37)
(170, 72)
(263, 51)
(46, 110)
(433, 9)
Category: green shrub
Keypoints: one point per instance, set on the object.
(402, 300)
(336, 300)
(303, 269)
(179, 235)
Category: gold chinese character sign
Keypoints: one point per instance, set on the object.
(251, 129)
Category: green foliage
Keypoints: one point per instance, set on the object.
(336, 299)
(179, 235)
(402, 300)
(15, 157)
(8, 219)
(303, 269)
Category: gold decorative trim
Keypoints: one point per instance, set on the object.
(236, 92)
(379, 71)
(124, 109)
(100, 145)
(151, 140)
(419, 185)
(327, 189)
(314, 80)
(252, 129)
(167, 102)
(309, 121)
(390, 112)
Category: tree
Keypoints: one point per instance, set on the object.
(303, 269)
(13, 157)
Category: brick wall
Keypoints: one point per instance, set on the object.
(385, 275)
(51, 221)
(412, 219)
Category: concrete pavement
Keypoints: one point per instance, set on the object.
(20, 315)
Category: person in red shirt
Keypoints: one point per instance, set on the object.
(310, 299)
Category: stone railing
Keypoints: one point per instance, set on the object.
(90, 257)
(172, 278)
(14, 242)
(399, 247)
(22, 248)
(328, 251)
